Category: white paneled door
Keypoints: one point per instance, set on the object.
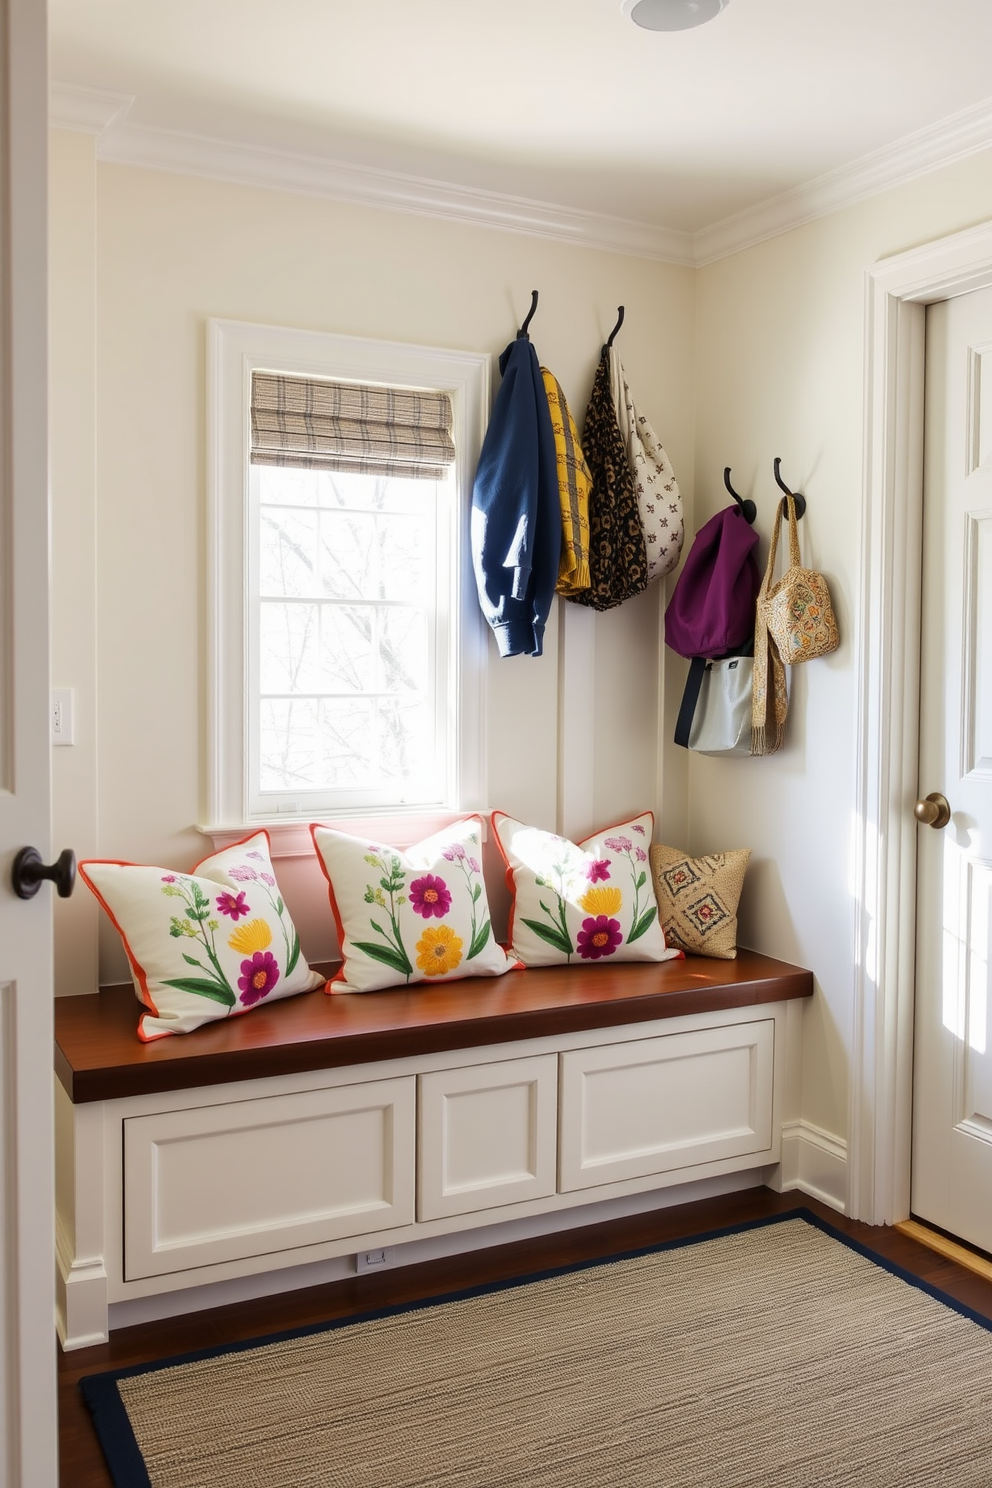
(952, 1103)
(28, 1451)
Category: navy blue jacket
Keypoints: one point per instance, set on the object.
(516, 509)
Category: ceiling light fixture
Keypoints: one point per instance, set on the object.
(672, 15)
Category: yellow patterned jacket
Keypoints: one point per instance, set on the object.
(574, 486)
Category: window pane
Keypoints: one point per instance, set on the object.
(404, 660)
(289, 651)
(287, 552)
(285, 486)
(373, 493)
(346, 648)
(414, 497)
(349, 566)
(288, 745)
(344, 489)
(347, 743)
(406, 548)
(407, 744)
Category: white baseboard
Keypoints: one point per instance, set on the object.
(241, 1289)
(80, 1296)
(813, 1161)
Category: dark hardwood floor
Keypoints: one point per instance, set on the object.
(82, 1464)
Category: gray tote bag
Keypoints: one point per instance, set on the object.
(721, 723)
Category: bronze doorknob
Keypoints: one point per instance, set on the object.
(934, 811)
(28, 873)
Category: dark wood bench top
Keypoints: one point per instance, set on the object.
(98, 1055)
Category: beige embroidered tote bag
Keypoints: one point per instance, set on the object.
(797, 610)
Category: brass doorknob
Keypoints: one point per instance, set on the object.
(934, 811)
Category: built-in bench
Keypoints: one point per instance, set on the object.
(322, 1126)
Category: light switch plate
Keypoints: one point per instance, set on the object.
(63, 720)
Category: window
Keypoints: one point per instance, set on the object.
(347, 644)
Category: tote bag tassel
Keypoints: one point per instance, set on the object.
(770, 698)
(770, 705)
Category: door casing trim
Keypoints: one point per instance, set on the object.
(897, 291)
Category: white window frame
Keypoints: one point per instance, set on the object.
(234, 350)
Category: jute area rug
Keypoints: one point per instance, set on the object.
(774, 1354)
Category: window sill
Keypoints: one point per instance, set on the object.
(292, 839)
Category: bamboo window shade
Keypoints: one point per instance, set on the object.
(317, 425)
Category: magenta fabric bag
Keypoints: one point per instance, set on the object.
(711, 610)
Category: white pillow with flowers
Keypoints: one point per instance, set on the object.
(420, 915)
(586, 903)
(204, 945)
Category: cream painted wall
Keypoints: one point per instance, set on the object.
(170, 253)
(72, 179)
(780, 371)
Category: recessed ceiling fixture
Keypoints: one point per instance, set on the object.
(672, 15)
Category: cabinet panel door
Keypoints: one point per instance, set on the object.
(658, 1104)
(219, 1183)
(487, 1136)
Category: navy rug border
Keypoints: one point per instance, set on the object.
(113, 1426)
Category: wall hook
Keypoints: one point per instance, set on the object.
(797, 496)
(530, 314)
(748, 509)
(609, 340)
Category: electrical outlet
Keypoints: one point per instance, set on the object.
(374, 1260)
(63, 729)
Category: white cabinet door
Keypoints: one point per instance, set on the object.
(487, 1136)
(219, 1183)
(654, 1105)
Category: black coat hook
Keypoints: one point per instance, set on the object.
(748, 509)
(530, 314)
(619, 323)
(797, 496)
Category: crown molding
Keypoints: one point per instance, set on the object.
(926, 150)
(120, 141)
(85, 110)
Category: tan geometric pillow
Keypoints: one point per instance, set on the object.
(698, 897)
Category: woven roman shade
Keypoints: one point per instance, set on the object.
(344, 426)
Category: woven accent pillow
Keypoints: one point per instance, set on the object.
(203, 945)
(698, 897)
(420, 915)
(581, 903)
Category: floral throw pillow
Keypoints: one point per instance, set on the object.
(203, 945)
(587, 903)
(420, 915)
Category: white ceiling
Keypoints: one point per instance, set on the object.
(556, 101)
